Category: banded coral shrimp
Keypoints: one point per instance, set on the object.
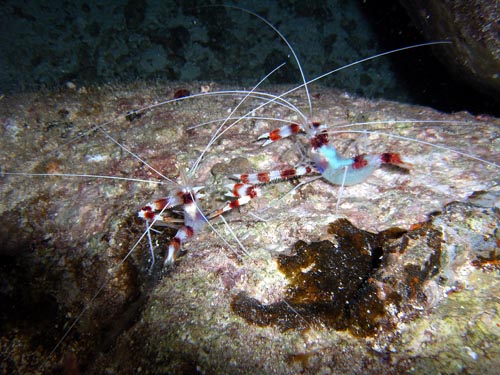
(176, 315)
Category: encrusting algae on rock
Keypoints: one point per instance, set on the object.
(368, 283)
(362, 281)
(411, 302)
(328, 282)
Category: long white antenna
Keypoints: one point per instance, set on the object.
(289, 47)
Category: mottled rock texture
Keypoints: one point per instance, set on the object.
(65, 237)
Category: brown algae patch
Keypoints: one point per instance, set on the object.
(361, 281)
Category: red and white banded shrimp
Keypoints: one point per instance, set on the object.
(76, 232)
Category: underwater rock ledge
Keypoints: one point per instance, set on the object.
(69, 235)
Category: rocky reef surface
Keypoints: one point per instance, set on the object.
(426, 301)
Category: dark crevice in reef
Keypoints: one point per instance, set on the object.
(426, 80)
(42, 289)
(351, 283)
